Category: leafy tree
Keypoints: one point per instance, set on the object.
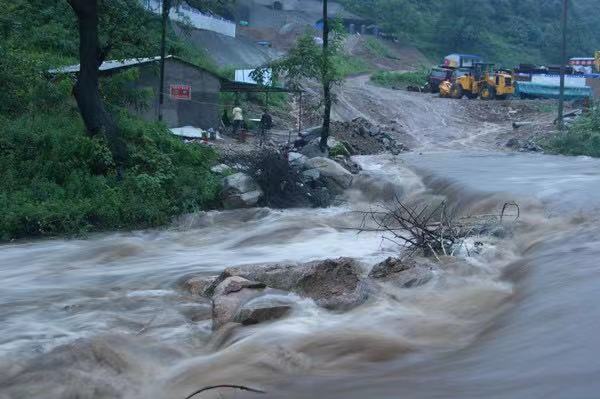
(310, 60)
(104, 25)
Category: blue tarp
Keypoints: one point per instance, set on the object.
(529, 89)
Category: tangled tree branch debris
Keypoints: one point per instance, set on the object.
(431, 229)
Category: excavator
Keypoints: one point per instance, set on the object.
(483, 81)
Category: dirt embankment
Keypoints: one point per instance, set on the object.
(426, 122)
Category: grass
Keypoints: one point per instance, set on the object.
(348, 65)
(377, 48)
(582, 138)
(57, 180)
(400, 79)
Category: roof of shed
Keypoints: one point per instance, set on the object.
(226, 84)
(113, 65)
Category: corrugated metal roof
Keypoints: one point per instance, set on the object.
(113, 65)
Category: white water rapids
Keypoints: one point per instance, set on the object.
(104, 317)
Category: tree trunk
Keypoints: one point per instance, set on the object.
(325, 79)
(96, 118)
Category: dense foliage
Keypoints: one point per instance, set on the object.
(582, 138)
(56, 178)
(503, 31)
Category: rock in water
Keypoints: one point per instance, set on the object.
(403, 273)
(333, 284)
(263, 309)
(390, 266)
(335, 177)
(229, 296)
(197, 285)
(240, 191)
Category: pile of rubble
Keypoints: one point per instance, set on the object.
(366, 138)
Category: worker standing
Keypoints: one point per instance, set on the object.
(238, 120)
(266, 123)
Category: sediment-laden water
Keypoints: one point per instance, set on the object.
(105, 317)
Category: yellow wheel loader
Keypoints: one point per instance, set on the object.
(482, 81)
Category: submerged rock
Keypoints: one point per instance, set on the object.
(263, 309)
(229, 296)
(403, 273)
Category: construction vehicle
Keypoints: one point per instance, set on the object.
(482, 80)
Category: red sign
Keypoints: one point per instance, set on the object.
(181, 92)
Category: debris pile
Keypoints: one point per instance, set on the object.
(366, 138)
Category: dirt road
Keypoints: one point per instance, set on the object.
(423, 121)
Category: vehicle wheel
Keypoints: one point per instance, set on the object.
(472, 96)
(456, 91)
(488, 93)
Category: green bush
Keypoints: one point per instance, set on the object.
(400, 79)
(582, 138)
(58, 180)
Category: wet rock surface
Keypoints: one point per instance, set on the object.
(403, 273)
(229, 296)
(240, 191)
(264, 309)
(334, 176)
(258, 293)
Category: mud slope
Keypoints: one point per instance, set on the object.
(227, 51)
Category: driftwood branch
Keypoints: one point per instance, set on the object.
(431, 229)
(209, 388)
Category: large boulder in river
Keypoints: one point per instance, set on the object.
(333, 284)
(405, 273)
(240, 191)
(335, 177)
(229, 296)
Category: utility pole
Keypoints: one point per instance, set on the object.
(325, 77)
(563, 63)
(166, 7)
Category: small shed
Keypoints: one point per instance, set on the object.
(191, 93)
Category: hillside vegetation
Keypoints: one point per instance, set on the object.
(57, 179)
(503, 31)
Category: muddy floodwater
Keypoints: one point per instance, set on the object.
(105, 317)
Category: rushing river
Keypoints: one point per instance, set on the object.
(105, 317)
